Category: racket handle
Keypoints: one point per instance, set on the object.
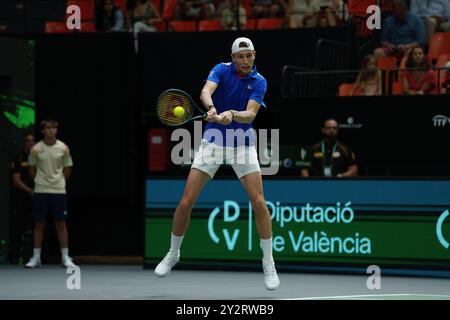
(203, 116)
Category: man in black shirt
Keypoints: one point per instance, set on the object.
(330, 157)
(22, 190)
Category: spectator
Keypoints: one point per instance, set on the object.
(22, 192)
(50, 166)
(368, 82)
(227, 13)
(330, 157)
(194, 10)
(313, 13)
(268, 8)
(434, 13)
(109, 17)
(142, 16)
(417, 82)
(446, 85)
(400, 32)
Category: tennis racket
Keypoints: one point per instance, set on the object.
(175, 108)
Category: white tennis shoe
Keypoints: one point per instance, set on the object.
(169, 261)
(34, 262)
(271, 279)
(67, 262)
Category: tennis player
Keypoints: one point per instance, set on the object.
(233, 94)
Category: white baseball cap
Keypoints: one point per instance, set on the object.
(241, 44)
(447, 65)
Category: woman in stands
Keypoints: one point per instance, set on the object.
(368, 82)
(418, 79)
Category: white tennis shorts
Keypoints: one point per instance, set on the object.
(210, 157)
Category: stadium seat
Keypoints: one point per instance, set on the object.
(270, 23)
(387, 63)
(122, 4)
(441, 61)
(344, 89)
(440, 44)
(397, 88)
(247, 6)
(86, 8)
(87, 27)
(359, 7)
(251, 24)
(167, 11)
(209, 25)
(160, 26)
(182, 26)
(56, 27)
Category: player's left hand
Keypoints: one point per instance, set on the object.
(226, 118)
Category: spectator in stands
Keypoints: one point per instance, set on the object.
(417, 82)
(434, 13)
(446, 85)
(268, 8)
(313, 13)
(194, 10)
(400, 32)
(142, 16)
(227, 13)
(109, 17)
(330, 157)
(368, 82)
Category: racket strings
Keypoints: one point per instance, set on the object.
(166, 105)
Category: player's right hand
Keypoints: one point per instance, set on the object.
(211, 115)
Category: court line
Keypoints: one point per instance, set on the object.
(371, 295)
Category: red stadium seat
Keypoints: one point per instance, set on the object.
(122, 4)
(209, 25)
(182, 26)
(441, 61)
(387, 63)
(247, 6)
(270, 23)
(86, 8)
(397, 88)
(251, 24)
(87, 27)
(359, 7)
(440, 44)
(56, 27)
(344, 89)
(160, 26)
(167, 11)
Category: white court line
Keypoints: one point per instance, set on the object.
(371, 295)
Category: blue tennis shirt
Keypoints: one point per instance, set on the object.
(233, 93)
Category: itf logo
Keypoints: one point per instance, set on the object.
(231, 212)
(440, 120)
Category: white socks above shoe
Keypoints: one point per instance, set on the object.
(266, 245)
(175, 243)
(64, 253)
(37, 253)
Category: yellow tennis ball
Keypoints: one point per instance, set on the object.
(179, 111)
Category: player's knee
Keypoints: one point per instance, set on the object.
(258, 202)
(39, 225)
(185, 206)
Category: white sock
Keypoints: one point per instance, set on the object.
(64, 253)
(175, 243)
(267, 249)
(37, 253)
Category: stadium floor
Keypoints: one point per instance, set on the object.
(133, 282)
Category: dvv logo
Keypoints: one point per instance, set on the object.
(230, 235)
